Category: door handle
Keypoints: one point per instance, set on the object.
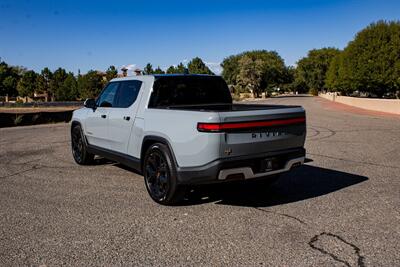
(127, 118)
(104, 116)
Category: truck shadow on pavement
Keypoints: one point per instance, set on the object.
(301, 183)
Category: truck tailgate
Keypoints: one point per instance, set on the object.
(260, 131)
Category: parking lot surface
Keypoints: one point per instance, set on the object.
(342, 208)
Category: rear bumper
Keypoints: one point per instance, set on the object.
(241, 167)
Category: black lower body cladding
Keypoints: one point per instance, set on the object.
(209, 173)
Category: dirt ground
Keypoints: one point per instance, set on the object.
(21, 110)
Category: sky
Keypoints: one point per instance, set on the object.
(94, 34)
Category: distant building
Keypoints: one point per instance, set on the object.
(102, 74)
(124, 72)
(138, 72)
(41, 96)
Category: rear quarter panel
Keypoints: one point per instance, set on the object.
(190, 147)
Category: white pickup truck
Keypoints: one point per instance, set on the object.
(180, 130)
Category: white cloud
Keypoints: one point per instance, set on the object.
(214, 67)
(129, 66)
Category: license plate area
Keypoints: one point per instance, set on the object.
(268, 164)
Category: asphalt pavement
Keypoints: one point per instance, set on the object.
(342, 208)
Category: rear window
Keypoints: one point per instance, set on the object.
(127, 93)
(189, 90)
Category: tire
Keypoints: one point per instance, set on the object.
(160, 177)
(79, 148)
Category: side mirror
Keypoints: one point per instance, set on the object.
(90, 103)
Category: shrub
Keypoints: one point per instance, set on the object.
(313, 92)
(18, 119)
(236, 97)
(246, 95)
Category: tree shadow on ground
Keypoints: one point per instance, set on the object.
(301, 183)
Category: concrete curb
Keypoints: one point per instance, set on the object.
(383, 105)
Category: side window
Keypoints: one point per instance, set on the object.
(107, 97)
(127, 93)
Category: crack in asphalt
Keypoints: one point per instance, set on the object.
(315, 137)
(42, 165)
(355, 161)
(282, 214)
(360, 259)
(368, 130)
(331, 132)
(34, 167)
(20, 163)
(312, 135)
(311, 243)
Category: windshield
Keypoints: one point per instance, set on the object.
(189, 90)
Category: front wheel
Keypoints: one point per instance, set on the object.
(160, 175)
(79, 149)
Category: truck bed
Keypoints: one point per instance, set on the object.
(229, 107)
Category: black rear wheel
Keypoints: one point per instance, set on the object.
(160, 175)
(79, 149)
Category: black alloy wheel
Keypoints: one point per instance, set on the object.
(79, 150)
(157, 176)
(160, 176)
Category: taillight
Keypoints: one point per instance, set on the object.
(208, 127)
(228, 126)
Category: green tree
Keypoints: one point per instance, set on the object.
(69, 89)
(111, 73)
(197, 66)
(9, 76)
(56, 83)
(288, 84)
(369, 63)
(250, 75)
(181, 68)
(148, 69)
(335, 74)
(172, 70)
(43, 81)
(4, 73)
(230, 68)
(158, 70)
(311, 70)
(90, 84)
(27, 84)
(274, 71)
(10, 86)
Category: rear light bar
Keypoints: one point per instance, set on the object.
(220, 127)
